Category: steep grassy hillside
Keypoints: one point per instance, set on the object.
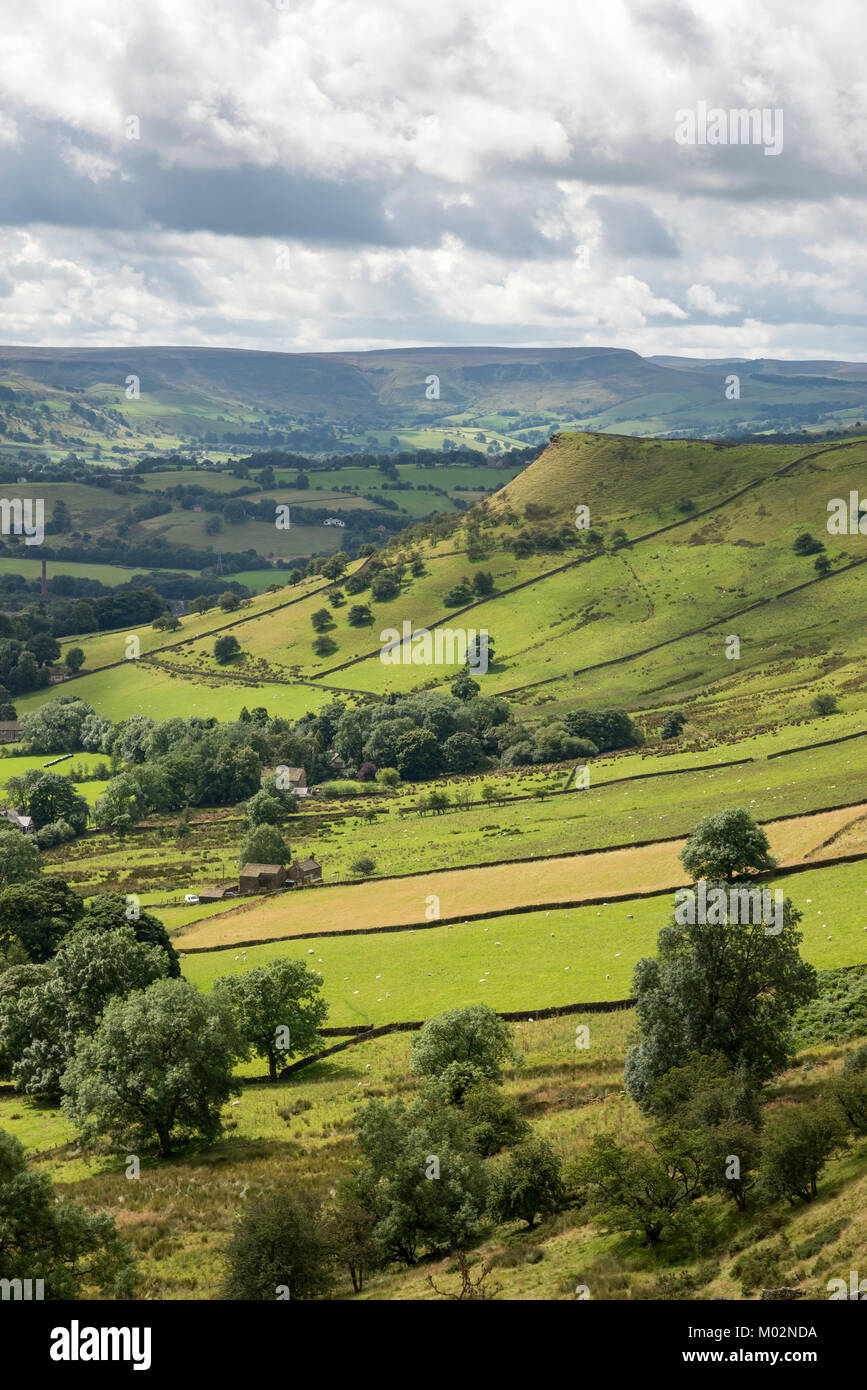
(643, 621)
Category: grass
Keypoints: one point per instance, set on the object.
(180, 1213)
(431, 969)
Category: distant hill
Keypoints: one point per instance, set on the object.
(213, 398)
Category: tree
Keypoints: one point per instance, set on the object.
(483, 583)
(474, 1035)
(226, 648)
(278, 1010)
(281, 1248)
(74, 659)
(264, 809)
(672, 724)
(359, 615)
(40, 1026)
(607, 728)
(473, 1290)
(38, 914)
(805, 544)
(463, 753)
(158, 1066)
(721, 1106)
(465, 688)
(824, 704)
(321, 619)
(493, 1119)
(849, 1090)
(59, 1242)
(384, 587)
(364, 865)
(388, 776)
(725, 844)
(264, 845)
(723, 988)
(642, 1188)
(19, 858)
(423, 1187)
(48, 796)
(418, 755)
(351, 1229)
(336, 565)
(229, 601)
(798, 1143)
(822, 565)
(527, 1185)
(114, 912)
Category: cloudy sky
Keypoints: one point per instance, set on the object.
(344, 174)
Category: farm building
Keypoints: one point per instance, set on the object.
(305, 872)
(262, 878)
(22, 823)
(10, 731)
(216, 892)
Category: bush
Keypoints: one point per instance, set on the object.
(823, 704)
(528, 1185)
(805, 544)
(475, 1034)
(226, 648)
(388, 776)
(384, 587)
(798, 1143)
(280, 1248)
(342, 788)
(493, 1119)
(363, 865)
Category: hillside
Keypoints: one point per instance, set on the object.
(691, 543)
(527, 886)
(55, 399)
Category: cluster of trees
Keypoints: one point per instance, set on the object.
(423, 1182)
(58, 811)
(94, 1013)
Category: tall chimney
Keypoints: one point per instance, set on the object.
(44, 581)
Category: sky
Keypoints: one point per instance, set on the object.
(327, 175)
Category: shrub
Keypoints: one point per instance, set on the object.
(388, 776)
(527, 1185)
(384, 587)
(798, 1143)
(226, 648)
(824, 703)
(280, 1243)
(363, 865)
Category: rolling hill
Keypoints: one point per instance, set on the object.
(53, 399)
